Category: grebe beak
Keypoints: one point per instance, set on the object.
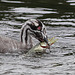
(44, 39)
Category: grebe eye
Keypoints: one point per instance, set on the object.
(39, 28)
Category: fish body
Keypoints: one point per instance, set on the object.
(41, 47)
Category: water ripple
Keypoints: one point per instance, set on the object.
(7, 1)
(32, 10)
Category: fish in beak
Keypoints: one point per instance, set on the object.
(46, 41)
(42, 38)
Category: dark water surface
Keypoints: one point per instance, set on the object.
(59, 18)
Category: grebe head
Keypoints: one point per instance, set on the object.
(37, 30)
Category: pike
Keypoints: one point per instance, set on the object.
(41, 47)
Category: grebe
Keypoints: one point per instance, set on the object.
(31, 28)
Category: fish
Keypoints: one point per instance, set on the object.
(41, 47)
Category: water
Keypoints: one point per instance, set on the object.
(59, 18)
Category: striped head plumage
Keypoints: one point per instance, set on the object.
(35, 28)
